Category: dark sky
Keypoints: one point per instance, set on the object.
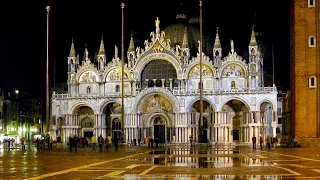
(23, 32)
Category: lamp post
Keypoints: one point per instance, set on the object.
(47, 75)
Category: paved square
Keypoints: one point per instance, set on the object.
(170, 163)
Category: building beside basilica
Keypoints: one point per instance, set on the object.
(161, 88)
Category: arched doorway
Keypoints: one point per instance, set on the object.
(87, 125)
(159, 126)
(84, 115)
(202, 125)
(235, 113)
(266, 115)
(116, 128)
(112, 111)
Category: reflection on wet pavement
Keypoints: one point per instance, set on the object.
(146, 163)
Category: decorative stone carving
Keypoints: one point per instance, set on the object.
(88, 77)
(155, 90)
(195, 71)
(233, 70)
(253, 101)
(116, 75)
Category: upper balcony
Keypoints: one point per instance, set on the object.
(175, 91)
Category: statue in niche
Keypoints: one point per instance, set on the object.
(72, 66)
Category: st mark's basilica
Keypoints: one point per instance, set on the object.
(161, 92)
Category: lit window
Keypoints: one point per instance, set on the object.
(312, 82)
(312, 41)
(311, 3)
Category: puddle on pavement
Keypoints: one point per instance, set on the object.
(205, 162)
(185, 151)
(196, 176)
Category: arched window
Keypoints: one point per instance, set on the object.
(312, 41)
(233, 84)
(312, 82)
(88, 89)
(311, 3)
(116, 124)
(117, 88)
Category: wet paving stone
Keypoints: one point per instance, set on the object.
(170, 163)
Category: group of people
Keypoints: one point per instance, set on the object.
(149, 142)
(102, 142)
(271, 142)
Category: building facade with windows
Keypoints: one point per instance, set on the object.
(161, 94)
(305, 71)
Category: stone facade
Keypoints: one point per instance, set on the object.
(161, 95)
(305, 69)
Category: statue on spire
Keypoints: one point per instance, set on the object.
(157, 25)
(116, 52)
(232, 46)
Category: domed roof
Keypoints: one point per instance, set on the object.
(175, 33)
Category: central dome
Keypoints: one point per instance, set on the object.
(175, 32)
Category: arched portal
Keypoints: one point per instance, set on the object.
(159, 129)
(201, 127)
(234, 115)
(112, 111)
(157, 71)
(266, 115)
(86, 119)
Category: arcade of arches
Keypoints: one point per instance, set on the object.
(156, 119)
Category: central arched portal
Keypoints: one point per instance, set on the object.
(159, 129)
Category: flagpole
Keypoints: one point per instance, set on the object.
(201, 84)
(272, 63)
(122, 76)
(47, 75)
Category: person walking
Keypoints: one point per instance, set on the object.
(254, 141)
(75, 143)
(108, 142)
(100, 141)
(115, 142)
(58, 142)
(261, 142)
(93, 141)
(268, 142)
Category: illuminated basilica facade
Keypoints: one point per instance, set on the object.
(161, 94)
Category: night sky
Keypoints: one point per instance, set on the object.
(23, 33)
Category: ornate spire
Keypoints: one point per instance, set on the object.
(102, 50)
(72, 50)
(217, 41)
(131, 46)
(185, 39)
(253, 41)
